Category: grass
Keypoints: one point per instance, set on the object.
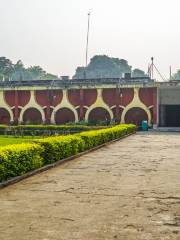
(8, 140)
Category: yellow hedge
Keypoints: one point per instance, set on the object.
(18, 159)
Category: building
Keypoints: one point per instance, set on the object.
(60, 101)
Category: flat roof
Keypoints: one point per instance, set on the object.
(76, 83)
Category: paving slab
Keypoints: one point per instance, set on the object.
(127, 190)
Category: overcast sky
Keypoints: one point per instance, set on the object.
(52, 33)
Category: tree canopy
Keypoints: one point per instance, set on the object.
(176, 76)
(138, 73)
(18, 72)
(102, 66)
(6, 68)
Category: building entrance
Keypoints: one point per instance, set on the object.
(169, 115)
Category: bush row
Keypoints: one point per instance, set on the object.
(45, 129)
(17, 159)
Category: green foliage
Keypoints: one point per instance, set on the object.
(36, 72)
(3, 127)
(95, 138)
(176, 76)
(57, 148)
(18, 159)
(102, 66)
(20, 73)
(54, 127)
(6, 68)
(9, 139)
(17, 71)
(48, 76)
(36, 130)
(138, 73)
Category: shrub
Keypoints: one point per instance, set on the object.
(37, 130)
(18, 159)
(3, 127)
(95, 138)
(57, 148)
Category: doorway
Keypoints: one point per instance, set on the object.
(169, 115)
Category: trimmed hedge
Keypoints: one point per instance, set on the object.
(57, 148)
(18, 159)
(46, 129)
(56, 127)
(95, 138)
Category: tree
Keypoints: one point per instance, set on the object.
(138, 73)
(176, 76)
(19, 71)
(36, 72)
(19, 66)
(1, 77)
(6, 68)
(123, 65)
(102, 66)
(49, 76)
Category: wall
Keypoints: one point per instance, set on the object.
(123, 104)
(169, 96)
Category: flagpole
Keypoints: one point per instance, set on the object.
(87, 44)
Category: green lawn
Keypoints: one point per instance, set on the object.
(8, 140)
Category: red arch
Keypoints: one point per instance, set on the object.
(64, 115)
(4, 116)
(32, 116)
(136, 115)
(99, 114)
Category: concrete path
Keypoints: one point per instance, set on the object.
(127, 190)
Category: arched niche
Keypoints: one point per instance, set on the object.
(64, 115)
(136, 115)
(32, 116)
(4, 116)
(99, 114)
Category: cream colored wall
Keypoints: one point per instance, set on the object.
(136, 102)
(99, 103)
(32, 104)
(65, 103)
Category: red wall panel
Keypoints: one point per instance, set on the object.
(146, 96)
(74, 97)
(23, 98)
(49, 97)
(109, 96)
(90, 96)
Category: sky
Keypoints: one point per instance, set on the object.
(52, 33)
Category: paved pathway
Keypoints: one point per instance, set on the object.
(127, 190)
